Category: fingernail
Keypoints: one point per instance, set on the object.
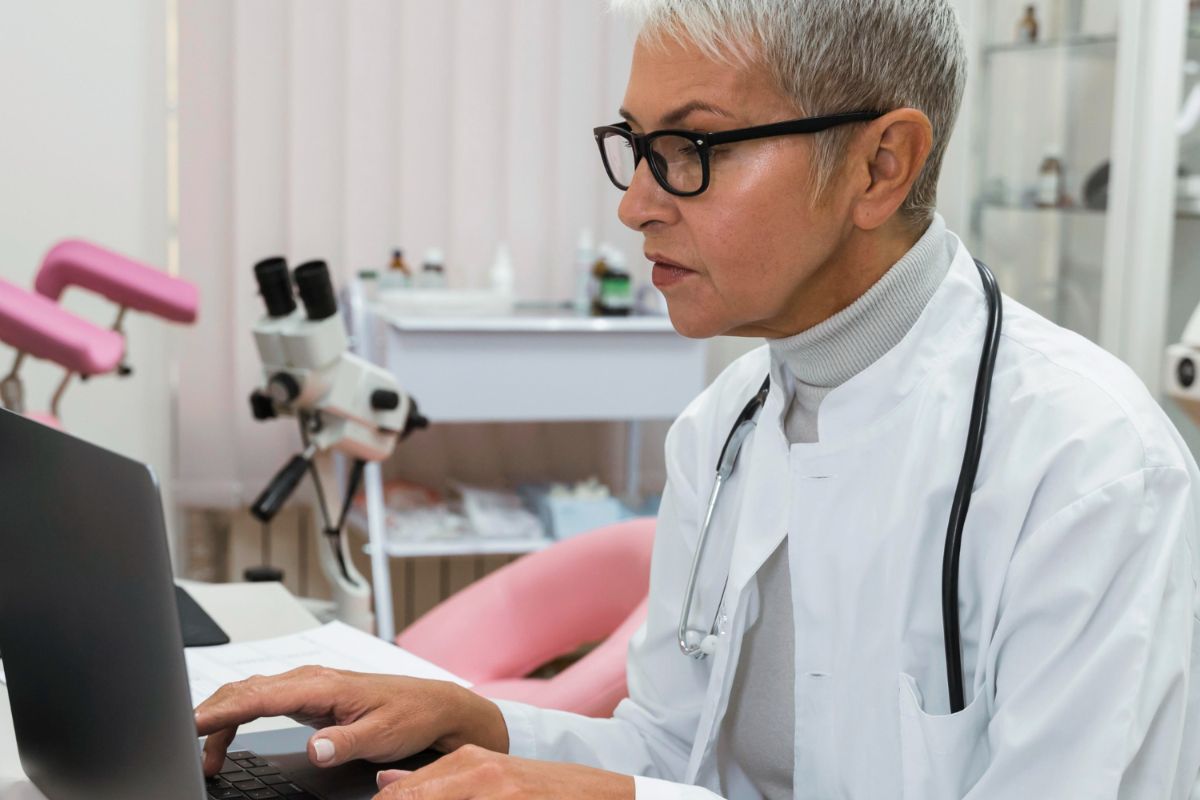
(390, 776)
(324, 749)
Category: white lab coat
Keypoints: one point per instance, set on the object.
(1078, 596)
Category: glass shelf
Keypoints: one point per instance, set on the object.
(1181, 213)
(1106, 44)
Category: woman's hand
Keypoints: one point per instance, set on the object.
(379, 718)
(473, 773)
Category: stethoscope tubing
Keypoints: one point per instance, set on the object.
(689, 648)
(951, 631)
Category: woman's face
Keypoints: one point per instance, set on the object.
(746, 256)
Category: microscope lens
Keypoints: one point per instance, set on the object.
(316, 290)
(275, 286)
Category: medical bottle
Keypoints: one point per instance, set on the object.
(433, 269)
(596, 277)
(368, 280)
(1027, 29)
(616, 286)
(398, 275)
(1050, 188)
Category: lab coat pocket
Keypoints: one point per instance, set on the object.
(942, 756)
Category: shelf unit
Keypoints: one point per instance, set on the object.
(1102, 97)
(528, 366)
(470, 545)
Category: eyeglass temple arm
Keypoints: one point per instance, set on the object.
(813, 125)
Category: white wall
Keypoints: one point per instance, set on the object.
(82, 153)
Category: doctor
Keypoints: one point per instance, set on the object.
(827, 676)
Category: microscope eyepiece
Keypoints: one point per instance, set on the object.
(316, 290)
(275, 286)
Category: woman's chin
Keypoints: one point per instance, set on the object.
(693, 325)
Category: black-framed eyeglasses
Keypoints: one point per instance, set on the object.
(680, 160)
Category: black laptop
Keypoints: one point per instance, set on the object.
(93, 654)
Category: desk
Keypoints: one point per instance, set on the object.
(247, 611)
(531, 366)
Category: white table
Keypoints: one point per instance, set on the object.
(246, 611)
(526, 367)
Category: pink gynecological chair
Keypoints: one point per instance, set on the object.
(590, 588)
(35, 325)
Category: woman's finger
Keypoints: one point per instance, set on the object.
(389, 776)
(215, 747)
(308, 691)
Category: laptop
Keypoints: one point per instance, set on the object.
(93, 654)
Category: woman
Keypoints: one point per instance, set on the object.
(826, 675)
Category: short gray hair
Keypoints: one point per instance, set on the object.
(834, 56)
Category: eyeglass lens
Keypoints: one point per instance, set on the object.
(676, 160)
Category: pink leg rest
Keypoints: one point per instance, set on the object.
(32, 324)
(128, 283)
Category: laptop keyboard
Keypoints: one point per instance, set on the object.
(248, 775)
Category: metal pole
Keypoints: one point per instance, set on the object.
(633, 463)
(12, 393)
(381, 574)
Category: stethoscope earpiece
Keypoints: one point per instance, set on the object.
(709, 644)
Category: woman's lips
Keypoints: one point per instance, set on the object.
(666, 274)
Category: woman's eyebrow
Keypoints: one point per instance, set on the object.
(681, 113)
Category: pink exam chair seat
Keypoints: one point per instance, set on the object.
(128, 283)
(590, 588)
(32, 324)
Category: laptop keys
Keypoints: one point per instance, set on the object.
(248, 776)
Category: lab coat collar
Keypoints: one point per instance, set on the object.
(852, 412)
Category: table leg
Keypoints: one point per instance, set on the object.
(633, 464)
(381, 575)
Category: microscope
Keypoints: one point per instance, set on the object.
(343, 403)
(1183, 369)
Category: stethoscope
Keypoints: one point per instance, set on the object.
(698, 644)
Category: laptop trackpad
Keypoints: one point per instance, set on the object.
(287, 749)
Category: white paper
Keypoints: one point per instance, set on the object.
(335, 645)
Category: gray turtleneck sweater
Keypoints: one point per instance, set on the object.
(759, 724)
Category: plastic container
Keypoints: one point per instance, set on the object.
(585, 257)
(567, 516)
(502, 275)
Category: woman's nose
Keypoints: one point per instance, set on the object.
(645, 202)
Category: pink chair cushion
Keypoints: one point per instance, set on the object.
(49, 420)
(592, 686)
(32, 324)
(541, 607)
(122, 280)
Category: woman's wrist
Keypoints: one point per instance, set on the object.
(471, 719)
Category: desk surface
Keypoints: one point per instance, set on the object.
(247, 611)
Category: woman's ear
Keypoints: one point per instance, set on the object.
(892, 152)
